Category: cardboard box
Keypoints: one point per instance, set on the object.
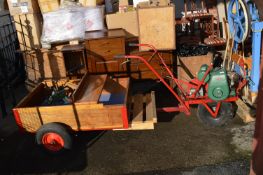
(29, 29)
(123, 2)
(91, 3)
(127, 21)
(18, 7)
(48, 5)
(157, 27)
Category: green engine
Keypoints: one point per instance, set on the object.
(218, 86)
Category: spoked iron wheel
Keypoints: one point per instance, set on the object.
(54, 138)
(239, 20)
(225, 114)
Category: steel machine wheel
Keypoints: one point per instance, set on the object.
(225, 114)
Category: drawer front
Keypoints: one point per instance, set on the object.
(106, 47)
(101, 53)
(137, 66)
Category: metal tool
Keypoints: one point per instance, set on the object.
(210, 90)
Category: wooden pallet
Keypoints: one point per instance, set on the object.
(142, 112)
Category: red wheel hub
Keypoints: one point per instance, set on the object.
(53, 142)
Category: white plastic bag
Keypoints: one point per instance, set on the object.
(94, 18)
(63, 25)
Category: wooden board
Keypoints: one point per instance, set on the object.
(127, 21)
(157, 27)
(90, 89)
(188, 67)
(245, 112)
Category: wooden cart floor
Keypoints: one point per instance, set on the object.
(142, 112)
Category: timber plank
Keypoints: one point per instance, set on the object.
(149, 108)
(138, 109)
(91, 89)
(244, 112)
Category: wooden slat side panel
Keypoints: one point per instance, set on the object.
(30, 119)
(30, 98)
(77, 93)
(91, 89)
(99, 117)
(154, 107)
(138, 109)
(60, 114)
(149, 107)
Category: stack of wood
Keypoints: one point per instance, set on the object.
(39, 63)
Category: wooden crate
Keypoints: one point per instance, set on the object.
(29, 30)
(100, 103)
(34, 66)
(157, 27)
(43, 64)
(142, 111)
(188, 67)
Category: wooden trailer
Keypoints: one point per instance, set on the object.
(99, 103)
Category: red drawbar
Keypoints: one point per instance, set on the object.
(125, 117)
(18, 120)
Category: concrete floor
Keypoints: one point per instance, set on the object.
(178, 145)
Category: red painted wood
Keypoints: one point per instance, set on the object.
(18, 120)
(125, 117)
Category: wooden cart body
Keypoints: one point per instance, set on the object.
(99, 103)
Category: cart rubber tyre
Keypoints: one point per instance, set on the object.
(54, 138)
(225, 114)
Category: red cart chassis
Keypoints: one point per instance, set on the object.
(185, 98)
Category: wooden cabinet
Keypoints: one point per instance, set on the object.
(101, 47)
(140, 71)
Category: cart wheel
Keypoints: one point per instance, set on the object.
(225, 114)
(54, 137)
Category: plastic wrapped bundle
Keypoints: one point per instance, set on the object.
(94, 18)
(63, 25)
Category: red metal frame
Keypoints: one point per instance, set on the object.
(18, 120)
(185, 99)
